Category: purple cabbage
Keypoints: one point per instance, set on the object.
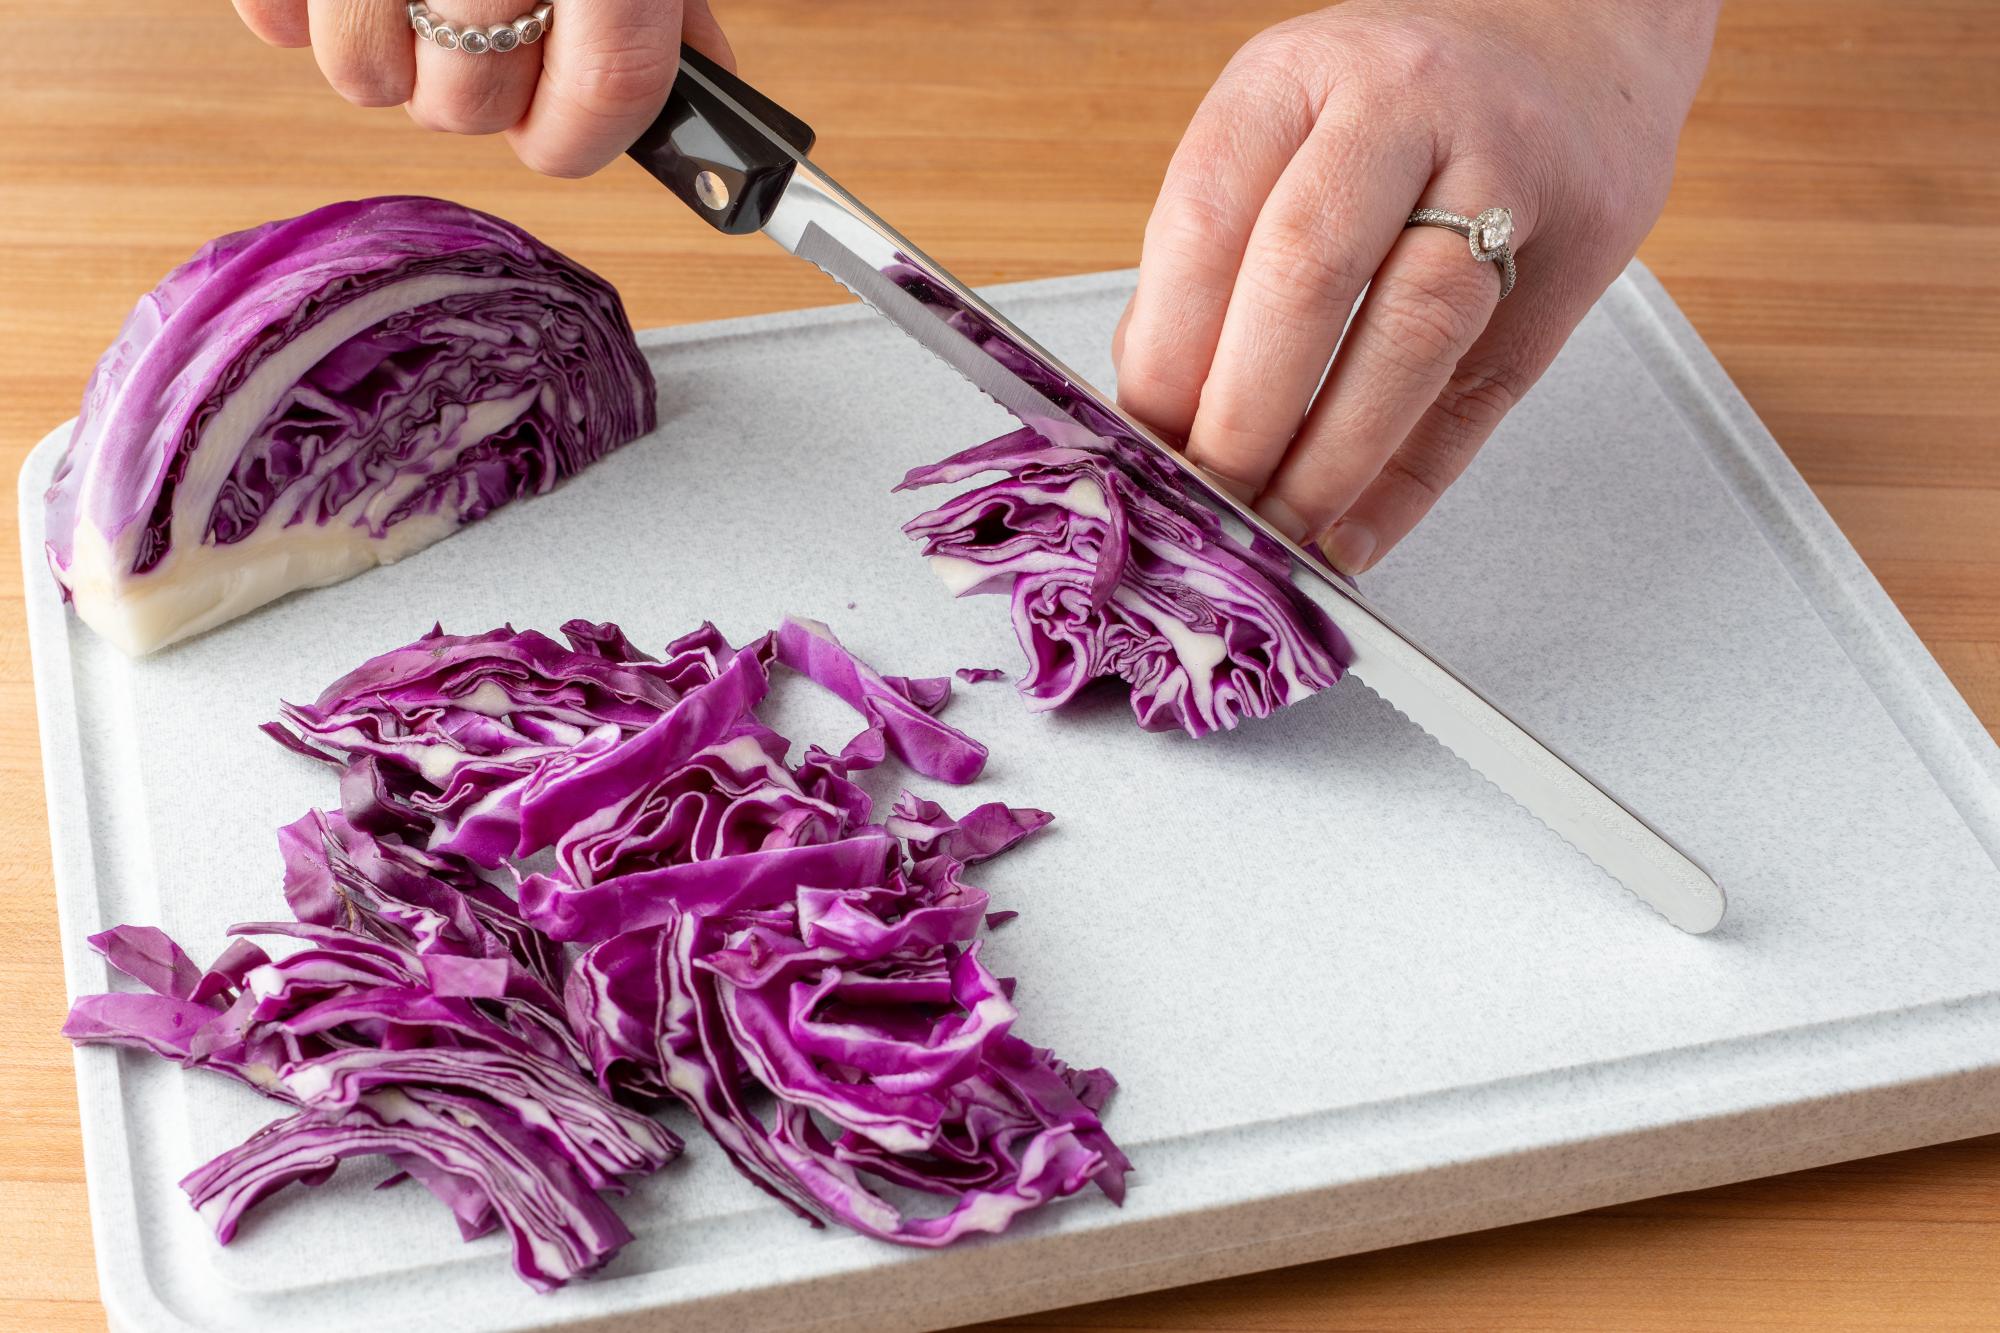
(444, 738)
(1114, 572)
(827, 957)
(419, 1020)
(894, 708)
(846, 1034)
(983, 834)
(306, 399)
(803, 974)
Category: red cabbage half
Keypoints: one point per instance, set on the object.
(1114, 572)
(310, 398)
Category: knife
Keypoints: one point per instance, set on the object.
(740, 161)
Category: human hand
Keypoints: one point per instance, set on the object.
(568, 104)
(1289, 193)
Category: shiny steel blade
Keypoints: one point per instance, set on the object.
(820, 222)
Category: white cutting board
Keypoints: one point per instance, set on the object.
(1355, 996)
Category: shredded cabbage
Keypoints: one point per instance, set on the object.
(420, 1021)
(802, 974)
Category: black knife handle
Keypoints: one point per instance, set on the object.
(722, 147)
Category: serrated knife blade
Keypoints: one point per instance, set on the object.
(811, 216)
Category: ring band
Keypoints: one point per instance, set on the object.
(477, 41)
(1490, 235)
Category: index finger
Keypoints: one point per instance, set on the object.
(1236, 147)
(1317, 241)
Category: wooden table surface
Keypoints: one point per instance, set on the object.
(1834, 234)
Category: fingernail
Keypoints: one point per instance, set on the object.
(1282, 517)
(1350, 546)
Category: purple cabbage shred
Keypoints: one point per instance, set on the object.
(716, 922)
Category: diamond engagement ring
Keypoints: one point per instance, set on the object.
(1489, 235)
(475, 40)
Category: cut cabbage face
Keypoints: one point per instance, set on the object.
(310, 398)
(1115, 573)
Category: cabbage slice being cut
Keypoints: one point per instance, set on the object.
(307, 399)
(1115, 573)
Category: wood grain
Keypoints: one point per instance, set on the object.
(1832, 233)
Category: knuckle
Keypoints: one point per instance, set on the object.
(1413, 337)
(1414, 54)
(1167, 352)
(474, 111)
(1238, 469)
(1280, 72)
(486, 114)
(1271, 54)
(1519, 120)
(1477, 397)
(1460, 421)
(1236, 437)
(549, 159)
(625, 72)
(363, 90)
(1427, 470)
(359, 64)
(1301, 274)
(1368, 101)
(421, 112)
(1424, 324)
(1598, 210)
(1191, 224)
(1157, 390)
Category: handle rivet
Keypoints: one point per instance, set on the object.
(712, 190)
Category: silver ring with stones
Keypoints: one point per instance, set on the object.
(1490, 234)
(475, 40)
